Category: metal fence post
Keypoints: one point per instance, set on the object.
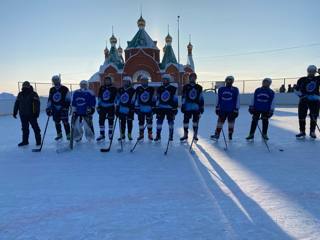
(35, 86)
(243, 86)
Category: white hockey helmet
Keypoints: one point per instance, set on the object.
(229, 79)
(84, 84)
(127, 79)
(144, 77)
(312, 69)
(267, 82)
(166, 77)
(56, 79)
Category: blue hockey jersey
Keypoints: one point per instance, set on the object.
(145, 99)
(125, 99)
(192, 98)
(263, 100)
(228, 99)
(82, 100)
(166, 97)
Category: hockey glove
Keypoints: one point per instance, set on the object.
(218, 111)
(49, 112)
(235, 113)
(251, 110)
(183, 108)
(90, 111)
(99, 109)
(175, 111)
(117, 111)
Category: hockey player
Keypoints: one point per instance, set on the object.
(28, 106)
(307, 89)
(83, 107)
(262, 107)
(58, 106)
(125, 107)
(106, 106)
(227, 107)
(144, 106)
(166, 106)
(192, 106)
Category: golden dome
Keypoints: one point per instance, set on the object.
(113, 40)
(168, 39)
(141, 22)
(120, 50)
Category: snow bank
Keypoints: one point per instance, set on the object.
(6, 96)
(6, 105)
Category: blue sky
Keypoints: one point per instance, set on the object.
(44, 37)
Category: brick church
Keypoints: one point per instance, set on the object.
(142, 56)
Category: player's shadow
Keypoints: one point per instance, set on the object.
(241, 211)
(282, 113)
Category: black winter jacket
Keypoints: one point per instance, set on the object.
(27, 103)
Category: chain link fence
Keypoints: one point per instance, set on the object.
(43, 88)
(248, 86)
(245, 86)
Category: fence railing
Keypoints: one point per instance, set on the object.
(42, 88)
(245, 86)
(248, 86)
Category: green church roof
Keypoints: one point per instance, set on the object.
(114, 58)
(168, 57)
(142, 40)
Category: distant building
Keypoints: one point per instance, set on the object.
(142, 56)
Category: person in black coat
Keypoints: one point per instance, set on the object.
(28, 106)
(308, 90)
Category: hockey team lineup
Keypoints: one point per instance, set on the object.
(120, 106)
(159, 120)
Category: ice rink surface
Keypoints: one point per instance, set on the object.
(243, 193)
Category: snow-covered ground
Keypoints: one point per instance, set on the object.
(243, 193)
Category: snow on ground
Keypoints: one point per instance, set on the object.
(244, 193)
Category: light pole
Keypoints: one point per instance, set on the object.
(178, 39)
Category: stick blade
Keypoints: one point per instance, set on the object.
(36, 150)
(104, 150)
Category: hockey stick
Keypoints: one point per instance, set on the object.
(168, 143)
(264, 140)
(167, 148)
(193, 138)
(225, 141)
(318, 127)
(109, 147)
(73, 120)
(44, 134)
(315, 120)
(136, 143)
(121, 143)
